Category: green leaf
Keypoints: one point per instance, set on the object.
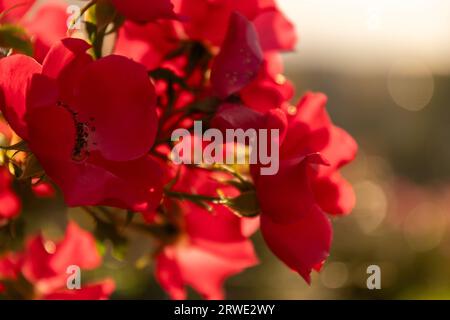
(16, 38)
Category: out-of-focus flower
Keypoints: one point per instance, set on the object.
(209, 21)
(88, 147)
(44, 264)
(213, 245)
(42, 189)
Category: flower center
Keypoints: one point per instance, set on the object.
(82, 132)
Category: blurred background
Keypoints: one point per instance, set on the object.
(385, 66)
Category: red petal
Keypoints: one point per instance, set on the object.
(16, 72)
(205, 266)
(77, 248)
(148, 44)
(10, 266)
(269, 90)
(136, 185)
(65, 62)
(56, 140)
(62, 55)
(36, 263)
(123, 112)
(287, 196)
(9, 204)
(340, 150)
(309, 127)
(239, 60)
(43, 190)
(334, 194)
(49, 268)
(208, 20)
(275, 31)
(301, 245)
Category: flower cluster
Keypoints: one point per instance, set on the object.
(89, 114)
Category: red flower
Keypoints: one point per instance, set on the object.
(142, 11)
(75, 114)
(213, 247)
(208, 20)
(308, 182)
(292, 202)
(44, 264)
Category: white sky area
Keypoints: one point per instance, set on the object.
(370, 35)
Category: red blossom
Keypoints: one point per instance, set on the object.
(208, 20)
(213, 246)
(44, 263)
(88, 149)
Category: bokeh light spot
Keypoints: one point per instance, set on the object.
(411, 84)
